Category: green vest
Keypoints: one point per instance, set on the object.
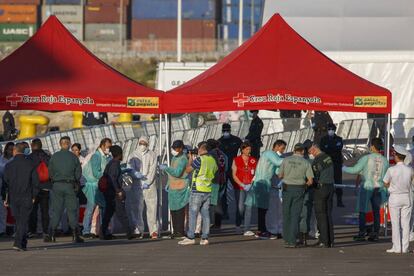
(205, 176)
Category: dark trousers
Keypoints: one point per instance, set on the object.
(178, 221)
(261, 220)
(239, 211)
(41, 200)
(292, 208)
(21, 209)
(64, 197)
(306, 214)
(256, 150)
(338, 180)
(323, 197)
(375, 199)
(218, 210)
(117, 206)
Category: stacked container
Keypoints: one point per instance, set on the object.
(18, 19)
(157, 19)
(69, 12)
(252, 16)
(103, 20)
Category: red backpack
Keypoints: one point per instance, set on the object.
(43, 172)
(103, 183)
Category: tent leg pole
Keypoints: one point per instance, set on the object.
(167, 145)
(388, 144)
(160, 186)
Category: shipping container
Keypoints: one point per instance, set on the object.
(231, 31)
(107, 2)
(21, 2)
(18, 14)
(167, 9)
(105, 14)
(104, 32)
(170, 45)
(16, 32)
(167, 28)
(230, 13)
(65, 13)
(75, 29)
(62, 2)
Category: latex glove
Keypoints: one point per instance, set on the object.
(280, 184)
(167, 188)
(343, 168)
(163, 167)
(280, 195)
(145, 186)
(242, 186)
(138, 175)
(247, 187)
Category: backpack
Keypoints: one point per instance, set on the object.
(43, 172)
(103, 183)
(221, 164)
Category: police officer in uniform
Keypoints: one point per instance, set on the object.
(255, 134)
(65, 172)
(296, 173)
(323, 169)
(230, 145)
(332, 145)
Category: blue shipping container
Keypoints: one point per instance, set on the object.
(231, 31)
(167, 9)
(63, 2)
(230, 14)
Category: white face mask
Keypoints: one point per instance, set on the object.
(143, 148)
(311, 156)
(226, 134)
(331, 132)
(279, 153)
(174, 153)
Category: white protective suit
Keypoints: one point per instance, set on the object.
(145, 163)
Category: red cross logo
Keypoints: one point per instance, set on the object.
(14, 99)
(241, 99)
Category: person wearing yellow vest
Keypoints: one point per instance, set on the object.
(203, 169)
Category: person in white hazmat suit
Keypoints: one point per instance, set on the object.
(412, 194)
(144, 161)
(399, 181)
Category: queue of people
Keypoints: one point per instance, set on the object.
(283, 190)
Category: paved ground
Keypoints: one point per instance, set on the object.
(227, 254)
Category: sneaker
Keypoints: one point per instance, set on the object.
(204, 242)
(392, 250)
(238, 230)
(373, 238)
(359, 238)
(187, 241)
(274, 236)
(19, 248)
(154, 236)
(265, 236)
(137, 232)
(47, 238)
(87, 236)
(248, 234)
(340, 204)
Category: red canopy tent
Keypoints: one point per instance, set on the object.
(54, 71)
(277, 69)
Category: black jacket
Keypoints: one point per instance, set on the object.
(255, 131)
(20, 178)
(332, 146)
(37, 156)
(230, 146)
(113, 172)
